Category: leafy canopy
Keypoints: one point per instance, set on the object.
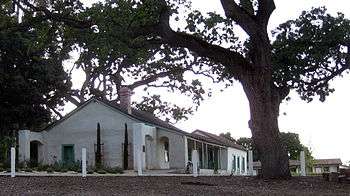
(291, 142)
(32, 80)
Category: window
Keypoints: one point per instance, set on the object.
(238, 163)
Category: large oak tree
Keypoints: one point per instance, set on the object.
(305, 54)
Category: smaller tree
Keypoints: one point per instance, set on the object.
(292, 143)
(228, 136)
(126, 145)
(290, 140)
(247, 143)
(98, 155)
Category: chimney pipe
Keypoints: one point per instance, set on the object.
(125, 98)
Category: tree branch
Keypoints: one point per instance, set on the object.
(58, 17)
(233, 61)
(266, 8)
(71, 99)
(239, 15)
(56, 112)
(153, 78)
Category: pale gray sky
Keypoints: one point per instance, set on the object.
(322, 126)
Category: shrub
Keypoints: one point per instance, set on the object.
(21, 165)
(57, 166)
(74, 166)
(114, 170)
(101, 171)
(49, 170)
(5, 144)
(27, 169)
(42, 167)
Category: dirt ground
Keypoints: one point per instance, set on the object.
(168, 186)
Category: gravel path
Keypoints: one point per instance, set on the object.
(168, 186)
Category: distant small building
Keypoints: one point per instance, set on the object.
(326, 165)
(344, 167)
(294, 166)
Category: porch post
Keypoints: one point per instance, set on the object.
(195, 162)
(302, 164)
(219, 158)
(206, 157)
(186, 150)
(138, 146)
(203, 158)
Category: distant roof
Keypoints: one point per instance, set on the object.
(257, 164)
(216, 139)
(327, 162)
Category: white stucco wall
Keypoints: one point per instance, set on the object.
(80, 130)
(153, 156)
(238, 153)
(223, 158)
(177, 148)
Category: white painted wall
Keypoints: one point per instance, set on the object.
(80, 130)
(153, 157)
(238, 153)
(177, 148)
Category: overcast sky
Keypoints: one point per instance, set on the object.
(321, 126)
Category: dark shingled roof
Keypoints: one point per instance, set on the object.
(327, 162)
(216, 139)
(147, 118)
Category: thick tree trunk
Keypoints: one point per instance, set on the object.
(264, 101)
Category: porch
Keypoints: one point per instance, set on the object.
(211, 156)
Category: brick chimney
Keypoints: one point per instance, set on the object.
(125, 98)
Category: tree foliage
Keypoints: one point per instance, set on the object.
(32, 80)
(311, 51)
(227, 135)
(291, 142)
